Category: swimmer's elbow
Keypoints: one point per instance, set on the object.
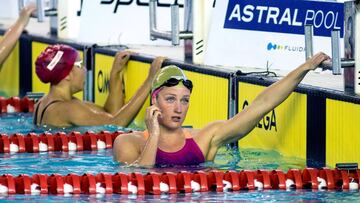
(124, 151)
(120, 120)
(122, 157)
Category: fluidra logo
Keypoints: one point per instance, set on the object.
(277, 47)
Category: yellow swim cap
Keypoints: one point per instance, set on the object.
(170, 75)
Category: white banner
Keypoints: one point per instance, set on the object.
(9, 9)
(108, 22)
(255, 33)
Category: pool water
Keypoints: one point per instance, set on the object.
(95, 162)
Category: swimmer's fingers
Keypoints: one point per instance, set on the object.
(155, 110)
(151, 120)
(156, 65)
(26, 12)
(152, 111)
(121, 58)
(317, 59)
(157, 114)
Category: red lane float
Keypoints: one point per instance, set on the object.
(278, 179)
(74, 181)
(169, 182)
(15, 104)
(73, 141)
(23, 184)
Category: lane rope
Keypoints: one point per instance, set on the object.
(16, 105)
(181, 182)
(60, 141)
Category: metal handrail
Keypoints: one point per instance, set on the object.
(41, 11)
(175, 34)
(337, 63)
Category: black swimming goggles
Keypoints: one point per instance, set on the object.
(173, 82)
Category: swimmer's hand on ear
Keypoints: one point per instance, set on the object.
(151, 120)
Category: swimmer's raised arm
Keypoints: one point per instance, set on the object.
(223, 132)
(130, 109)
(12, 35)
(115, 99)
(93, 115)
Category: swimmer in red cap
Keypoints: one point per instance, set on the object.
(61, 66)
(10, 38)
(165, 142)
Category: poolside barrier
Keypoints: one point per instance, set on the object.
(16, 104)
(182, 182)
(60, 141)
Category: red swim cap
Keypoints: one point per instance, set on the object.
(55, 63)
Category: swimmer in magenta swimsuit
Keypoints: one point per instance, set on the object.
(165, 142)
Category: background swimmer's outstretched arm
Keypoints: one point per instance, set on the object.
(12, 35)
(82, 113)
(133, 106)
(237, 127)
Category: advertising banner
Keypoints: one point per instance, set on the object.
(342, 132)
(108, 22)
(283, 129)
(256, 33)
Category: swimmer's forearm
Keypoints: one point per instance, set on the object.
(10, 38)
(148, 154)
(115, 99)
(129, 110)
(279, 91)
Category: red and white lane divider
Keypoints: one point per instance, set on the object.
(186, 182)
(73, 141)
(16, 105)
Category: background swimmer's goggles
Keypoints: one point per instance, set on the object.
(173, 82)
(79, 64)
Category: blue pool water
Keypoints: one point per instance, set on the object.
(101, 161)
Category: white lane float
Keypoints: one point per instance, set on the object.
(195, 186)
(35, 189)
(100, 144)
(68, 189)
(290, 184)
(132, 188)
(10, 109)
(259, 185)
(353, 185)
(72, 146)
(100, 189)
(43, 147)
(14, 148)
(226, 185)
(321, 183)
(164, 187)
(3, 190)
